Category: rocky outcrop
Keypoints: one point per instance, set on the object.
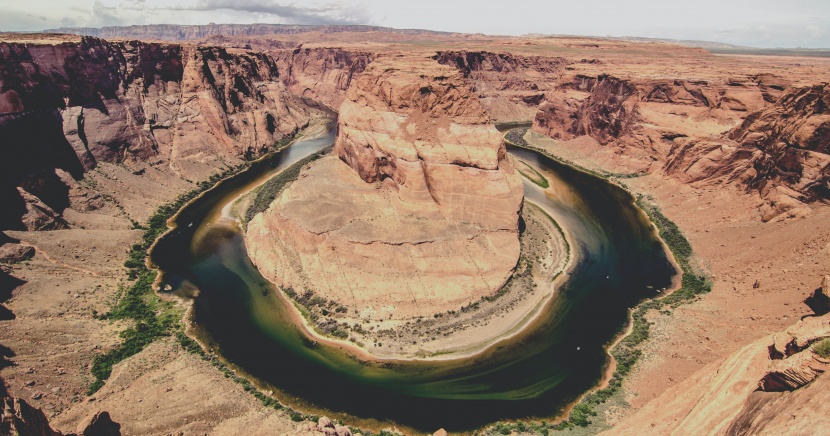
(11, 253)
(644, 114)
(424, 131)
(782, 152)
(792, 373)
(724, 394)
(19, 418)
(510, 86)
(326, 426)
(419, 214)
(323, 74)
(188, 110)
(607, 114)
(99, 424)
(764, 385)
(793, 138)
(819, 301)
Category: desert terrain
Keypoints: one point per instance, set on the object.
(98, 134)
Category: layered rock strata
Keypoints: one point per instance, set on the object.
(780, 151)
(418, 215)
(510, 86)
(703, 132)
(774, 385)
(66, 107)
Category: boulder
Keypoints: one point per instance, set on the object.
(818, 301)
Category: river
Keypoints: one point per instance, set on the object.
(534, 374)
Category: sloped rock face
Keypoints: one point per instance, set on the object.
(607, 114)
(793, 137)
(190, 110)
(17, 417)
(781, 151)
(419, 215)
(640, 113)
(747, 392)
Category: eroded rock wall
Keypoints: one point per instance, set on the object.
(422, 129)
(774, 385)
(323, 74)
(780, 151)
(190, 111)
(749, 131)
(510, 86)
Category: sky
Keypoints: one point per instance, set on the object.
(755, 23)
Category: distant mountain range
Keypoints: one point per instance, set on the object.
(724, 48)
(176, 32)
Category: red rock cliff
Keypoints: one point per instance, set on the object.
(418, 125)
(190, 110)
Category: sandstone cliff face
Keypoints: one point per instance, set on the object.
(781, 151)
(187, 110)
(703, 132)
(424, 131)
(644, 114)
(772, 386)
(418, 215)
(794, 138)
(323, 74)
(510, 86)
(607, 113)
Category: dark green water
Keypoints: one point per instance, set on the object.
(534, 374)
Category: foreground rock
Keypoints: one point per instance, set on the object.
(17, 417)
(774, 385)
(418, 216)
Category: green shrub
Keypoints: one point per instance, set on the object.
(822, 348)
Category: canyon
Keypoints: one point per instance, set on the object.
(99, 134)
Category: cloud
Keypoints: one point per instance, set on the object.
(103, 15)
(11, 20)
(289, 13)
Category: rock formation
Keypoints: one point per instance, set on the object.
(188, 110)
(99, 424)
(425, 132)
(819, 300)
(17, 417)
(764, 385)
(780, 150)
(323, 74)
(510, 86)
(424, 217)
